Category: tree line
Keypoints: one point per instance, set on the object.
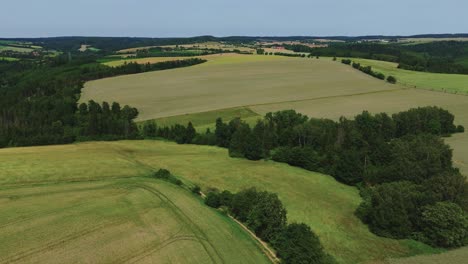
(438, 57)
(38, 100)
(368, 70)
(264, 213)
(400, 162)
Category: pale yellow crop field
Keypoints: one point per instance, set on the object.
(230, 81)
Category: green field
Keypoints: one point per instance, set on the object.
(454, 256)
(82, 217)
(453, 83)
(305, 194)
(202, 121)
(113, 62)
(8, 59)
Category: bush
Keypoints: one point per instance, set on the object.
(346, 61)
(445, 225)
(298, 244)
(460, 129)
(379, 75)
(393, 209)
(267, 216)
(212, 200)
(196, 189)
(164, 174)
(305, 157)
(391, 79)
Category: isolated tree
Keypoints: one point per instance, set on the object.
(391, 79)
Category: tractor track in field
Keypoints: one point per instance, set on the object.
(50, 212)
(153, 248)
(202, 239)
(325, 97)
(58, 243)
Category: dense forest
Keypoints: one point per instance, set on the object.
(110, 44)
(38, 101)
(402, 166)
(438, 57)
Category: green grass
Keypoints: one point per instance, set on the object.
(454, 256)
(8, 59)
(116, 220)
(16, 49)
(313, 198)
(116, 61)
(453, 83)
(204, 120)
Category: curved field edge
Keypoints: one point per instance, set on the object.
(125, 220)
(313, 198)
(443, 82)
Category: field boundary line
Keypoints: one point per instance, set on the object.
(328, 97)
(248, 106)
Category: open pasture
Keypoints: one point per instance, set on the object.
(454, 256)
(313, 198)
(452, 83)
(15, 48)
(206, 119)
(8, 59)
(117, 61)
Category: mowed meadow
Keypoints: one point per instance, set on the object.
(82, 216)
(94, 187)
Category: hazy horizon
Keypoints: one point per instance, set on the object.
(182, 18)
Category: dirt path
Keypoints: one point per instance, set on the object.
(264, 246)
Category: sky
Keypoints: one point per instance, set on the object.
(185, 18)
